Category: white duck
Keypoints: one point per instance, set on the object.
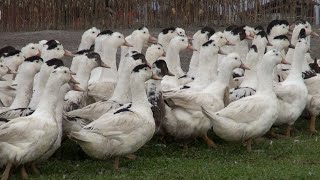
(6, 50)
(277, 28)
(252, 116)
(76, 119)
(24, 83)
(25, 139)
(199, 38)
(292, 93)
(44, 74)
(103, 80)
(88, 38)
(184, 118)
(172, 59)
(165, 36)
(75, 99)
(125, 131)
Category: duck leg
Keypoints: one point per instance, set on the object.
(6, 172)
(287, 131)
(312, 124)
(23, 172)
(131, 157)
(34, 169)
(208, 141)
(116, 163)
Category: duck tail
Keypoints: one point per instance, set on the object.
(210, 116)
(78, 137)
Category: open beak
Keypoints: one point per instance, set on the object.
(152, 39)
(191, 47)
(221, 52)
(155, 77)
(11, 71)
(68, 53)
(127, 44)
(283, 61)
(76, 87)
(230, 43)
(104, 65)
(72, 80)
(73, 73)
(249, 37)
(244, 67)
(314, 34)
(292, 46)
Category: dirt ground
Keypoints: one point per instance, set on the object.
(71, 40)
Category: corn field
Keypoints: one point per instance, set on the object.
(32, 15)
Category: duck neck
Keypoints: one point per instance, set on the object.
(296, 68)
(24, 82)
(295, 35)
(151, 57)
(49, 98)
(121, 91)
(139, 96)
(83, 75)
(264, 77)
(208, 67)
(173, 60)
(85, 44)
(59, 108)
(109, 56)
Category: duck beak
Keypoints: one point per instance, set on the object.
(155, 77)
(230, 43)
(76, 87)
(164, 54)
(104, 65)
(189, 38)
(283, 61)
(292, 46)
(269, 44)
(127, 44)
(68, 53)
(11, 88)
(289, 33)
(221, 52)
(244, 67)
(72, 80)
(314, 34)
(73, 73)
(291, 27)
(191, 47)
(11, 71)
(2, 79)
(249, 37)
(152, 39)
(39, 53)
(309, 51)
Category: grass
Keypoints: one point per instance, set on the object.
(297, 157)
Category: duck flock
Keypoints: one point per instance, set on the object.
(241, 83)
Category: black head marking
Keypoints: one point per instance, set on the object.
(141, 66)
(85, 51)
(301, 21)
(254, 47)
(262, 34)
(185, 87)
(159, 44)
(52, 44)
(284, 22)
(55, 63)
(302, 34)
(92, 47)
(231, 27)
(184, 76)
(281, 37)
(259, 28)
(96, 56)
(105, 32)
(166, 30)
(6, 50)
(12, 53)
(207, 43)
(141, 28)
(139, 56)
(34, 58)
(239, 31)
(162, 65)
(209, 30)
(272, 24)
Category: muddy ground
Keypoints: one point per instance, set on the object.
(71, 40)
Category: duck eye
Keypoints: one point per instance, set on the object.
(93, 32)
(58, 49)
(236, 58)
(214, 45)
(37, 61)
(144, 32)
(220, 37)
(159, 48)
(119, 37)
(32, 48)
(1, 65)
(299, 41)
(182, 39)
(18, 55)
(65, 71)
